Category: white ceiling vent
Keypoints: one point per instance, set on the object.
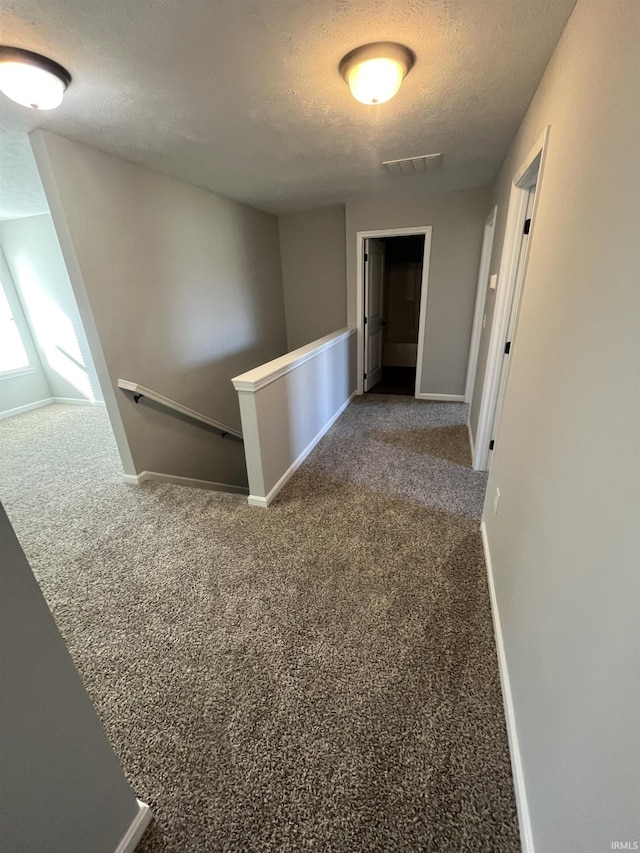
(413, 165)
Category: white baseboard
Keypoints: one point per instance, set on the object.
(444, 398)
(19, 410)
(524, 819)
(252, 500)
(134, 479)
(257, 500)
(67, 401)
(136, 829)
(146, 476)
(75, 401)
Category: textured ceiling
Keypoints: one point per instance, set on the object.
(244, 96)
(21, 192)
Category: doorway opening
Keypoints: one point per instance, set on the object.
(52, 389)
(393, 284)
(513, 268)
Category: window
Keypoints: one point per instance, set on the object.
(13, 356)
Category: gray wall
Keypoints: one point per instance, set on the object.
(457, 219)
(61, 786)
(564, 544)
(38, 269)
(185, 291)
(312, 247)
(284, 417)
(24, 388)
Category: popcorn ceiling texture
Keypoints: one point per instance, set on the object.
(244, 97)
(319, 676)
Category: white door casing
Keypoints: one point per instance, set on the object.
(512, 313)
(511, 280)
(363, 237)
(481, 296)
(374, 300)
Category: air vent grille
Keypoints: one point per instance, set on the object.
(413, 165)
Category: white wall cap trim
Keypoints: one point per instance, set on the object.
(254, 380)
(19, 371)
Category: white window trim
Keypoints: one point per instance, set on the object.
(19, 371)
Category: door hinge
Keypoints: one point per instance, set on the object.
(491, 444)
(527, 226)
(365, 376)
(507, 348)
(366, 257)
(366, 321)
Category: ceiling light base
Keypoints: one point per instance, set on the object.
(374, 72)
(377, 50)
(32, 80)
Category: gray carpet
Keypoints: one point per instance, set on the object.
(319, 676)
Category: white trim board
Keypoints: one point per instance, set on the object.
(136, 829)
(507, 300)
(75, 401)
(47, 401)
(481, 297)
(524, 818)
(147, 476)
(361, 236)
(422, 322)
(28, 407)
(471, 444)
(254, 500)
(443, 398)
(259, 377)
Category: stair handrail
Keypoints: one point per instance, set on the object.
(140, 391)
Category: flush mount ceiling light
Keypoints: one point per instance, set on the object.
(374, 72)
(32, 80)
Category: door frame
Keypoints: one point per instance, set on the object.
(361, 236)
(481, 297)
(371, 247)
(508, 297)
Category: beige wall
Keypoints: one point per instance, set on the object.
(185, 290)
(61, 786)
(312, 247)
(457, 219)
(564, 544)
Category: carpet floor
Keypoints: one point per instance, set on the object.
(318, 676)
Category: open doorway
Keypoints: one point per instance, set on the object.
(518, 234)
(53, 416)
(395, 267)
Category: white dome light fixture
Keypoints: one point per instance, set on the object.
(374, 72)
(32, 80)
